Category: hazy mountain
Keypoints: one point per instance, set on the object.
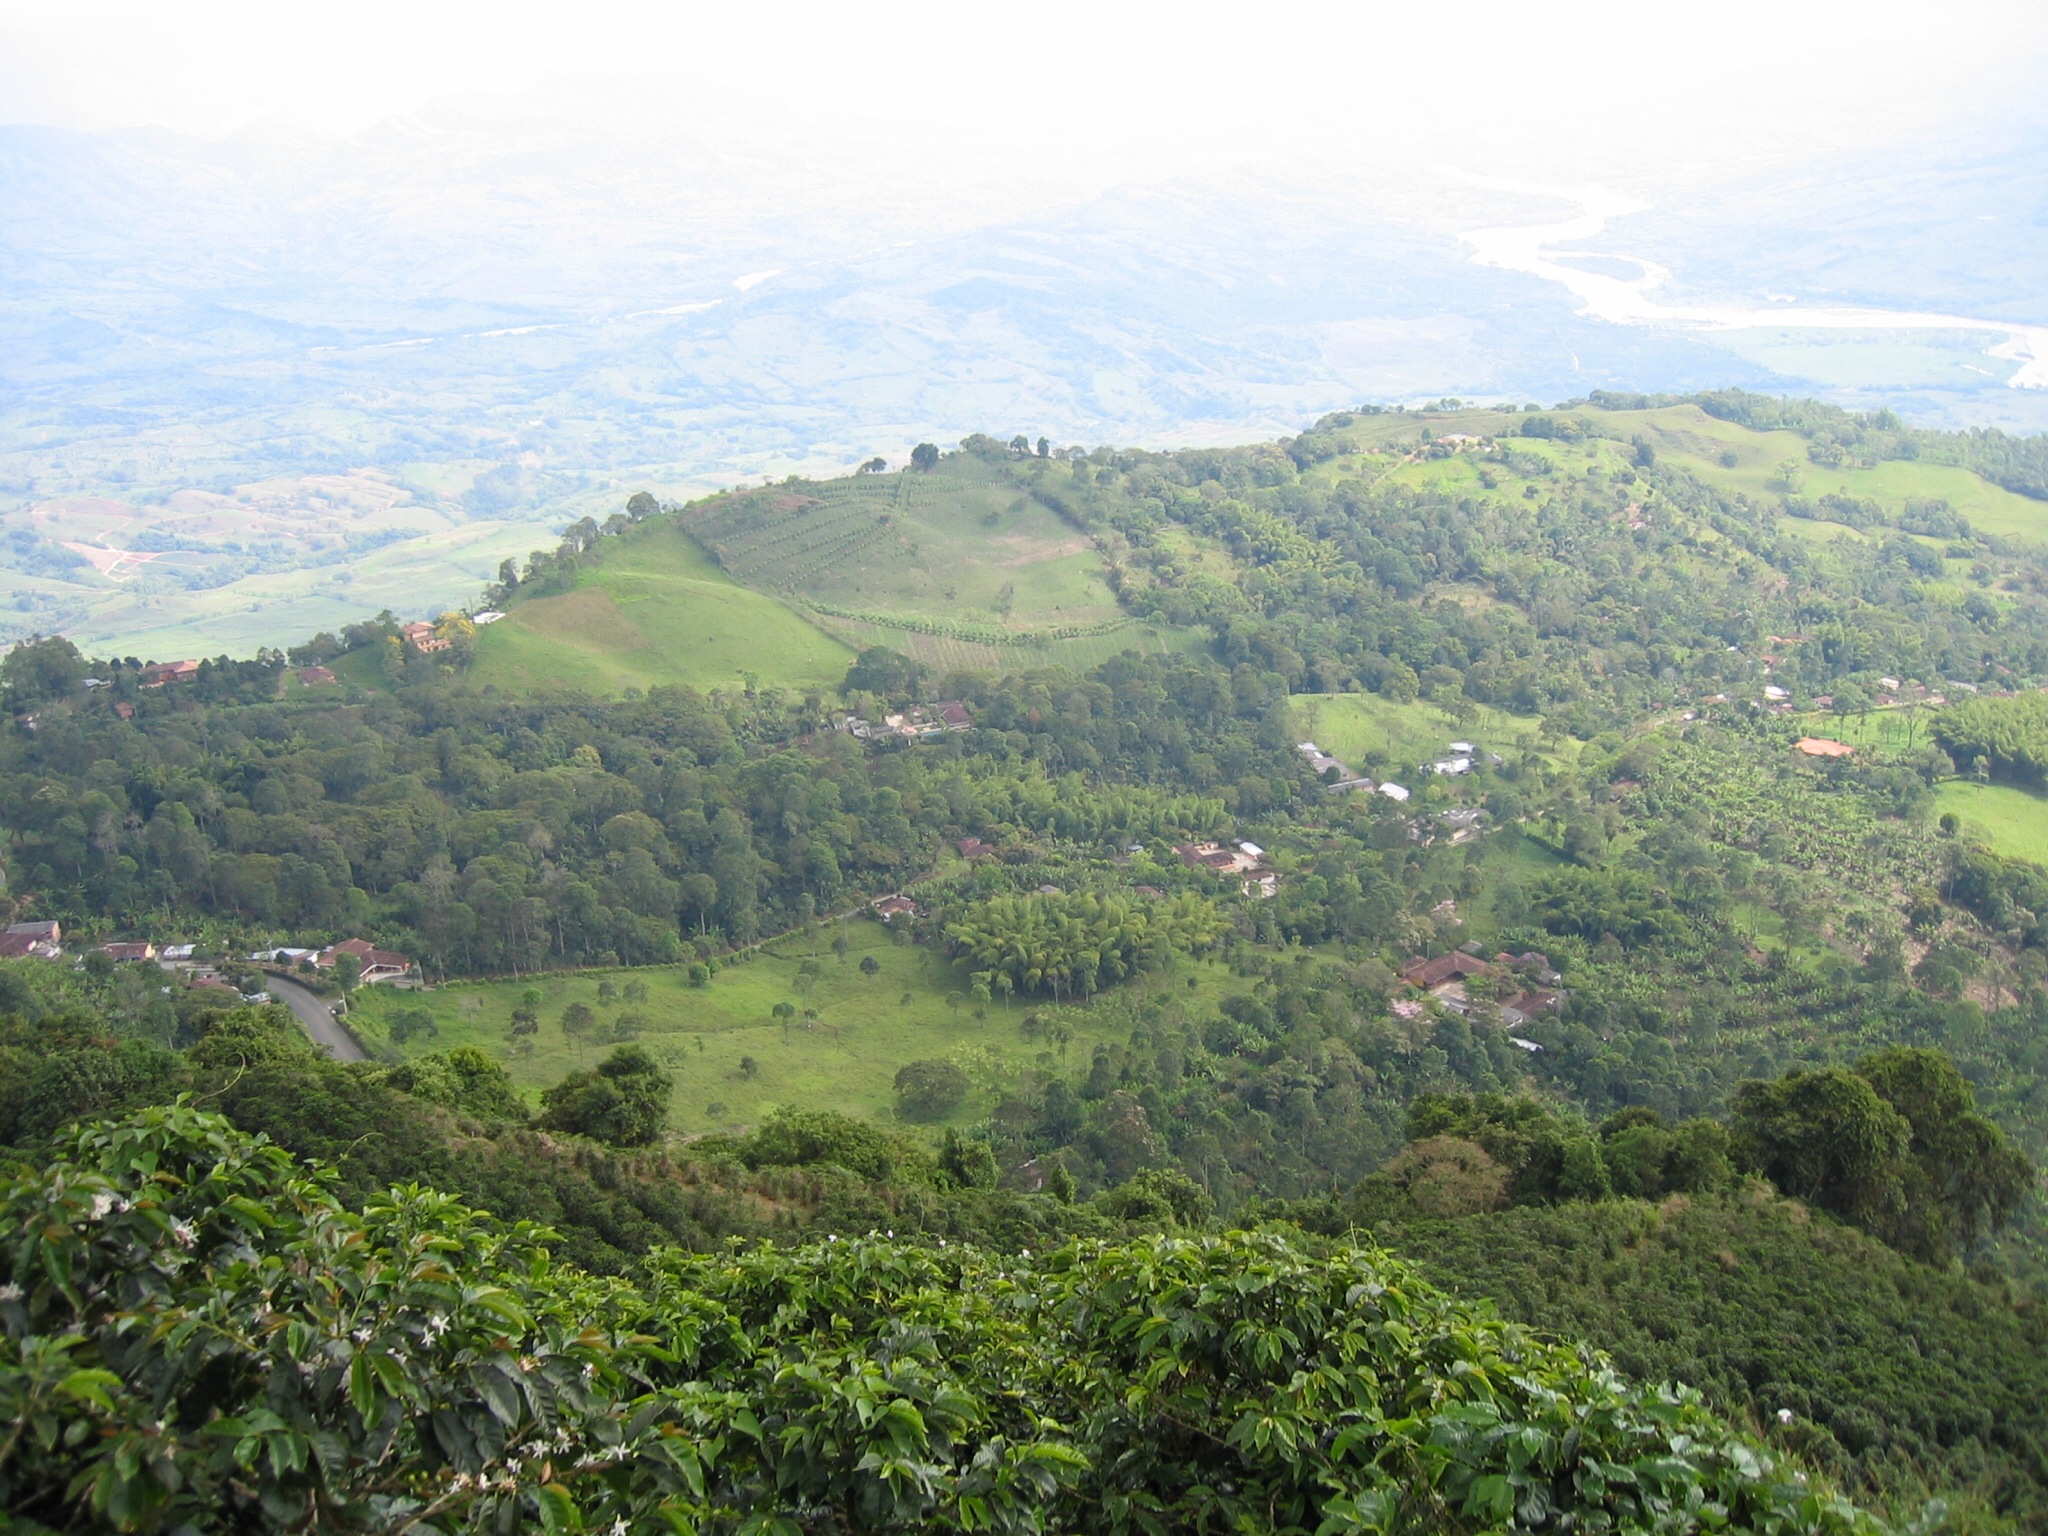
(516, 317)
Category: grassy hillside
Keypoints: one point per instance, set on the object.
(2006, 818)
(1687, 436)
(959, 568)
(655, 610)
(962, 543)
(866, 1026)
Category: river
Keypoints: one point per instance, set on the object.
(1534, 248)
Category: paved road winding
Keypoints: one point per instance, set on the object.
(322, 1025)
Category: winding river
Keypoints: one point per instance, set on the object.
(1535, 249)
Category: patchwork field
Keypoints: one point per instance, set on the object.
(203, 573)
(734, 1061)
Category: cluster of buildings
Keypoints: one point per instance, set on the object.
(45, 941)
(1525, 986)
(1241, 861)
(1322, 762)
(918, 721)
(1461, 757)
(372, 964)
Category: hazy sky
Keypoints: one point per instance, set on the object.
(1127, 89)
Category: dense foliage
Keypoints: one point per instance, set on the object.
(1906, 1381)
(1052, 942)
(200, 1337)
(1704, 960)
(481, 834)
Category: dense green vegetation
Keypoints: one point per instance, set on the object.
(202, 1337)
(1725, 1007)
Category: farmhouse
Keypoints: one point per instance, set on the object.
(889, 908)
(972, 848)
(126, 952)
(1393, 791)
(916, 722)
(1239, 859)
(1820, 746)
(1524, 1006)
(1444, 979)
(158, 673)
(421, 637)
(373, 964)
(1426, 975)
(315, 677)
(1320, 761)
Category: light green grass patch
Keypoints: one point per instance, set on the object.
(1688, 435)
(2006, 819)
(947, 653)
(966, 542)
(655, 610)
(1351, 725)
(845, 1059)
(1886, 730)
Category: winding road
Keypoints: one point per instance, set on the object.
(322, 1025)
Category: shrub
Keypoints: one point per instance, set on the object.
(623, 1102)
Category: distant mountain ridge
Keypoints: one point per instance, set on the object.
(520, 322)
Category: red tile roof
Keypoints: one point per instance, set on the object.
(1434, 973)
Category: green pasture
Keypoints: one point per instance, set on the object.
(1349, 725)
(1512, 858)
(963, 542)
(1902, 729)
(2003, 817)
(947, 653)
(654, 610)
(845, 1058)
(1686, 434)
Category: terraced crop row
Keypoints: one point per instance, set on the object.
(962, 629)
(802, 533)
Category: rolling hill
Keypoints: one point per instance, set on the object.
(1000, 562)
(961, 568)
